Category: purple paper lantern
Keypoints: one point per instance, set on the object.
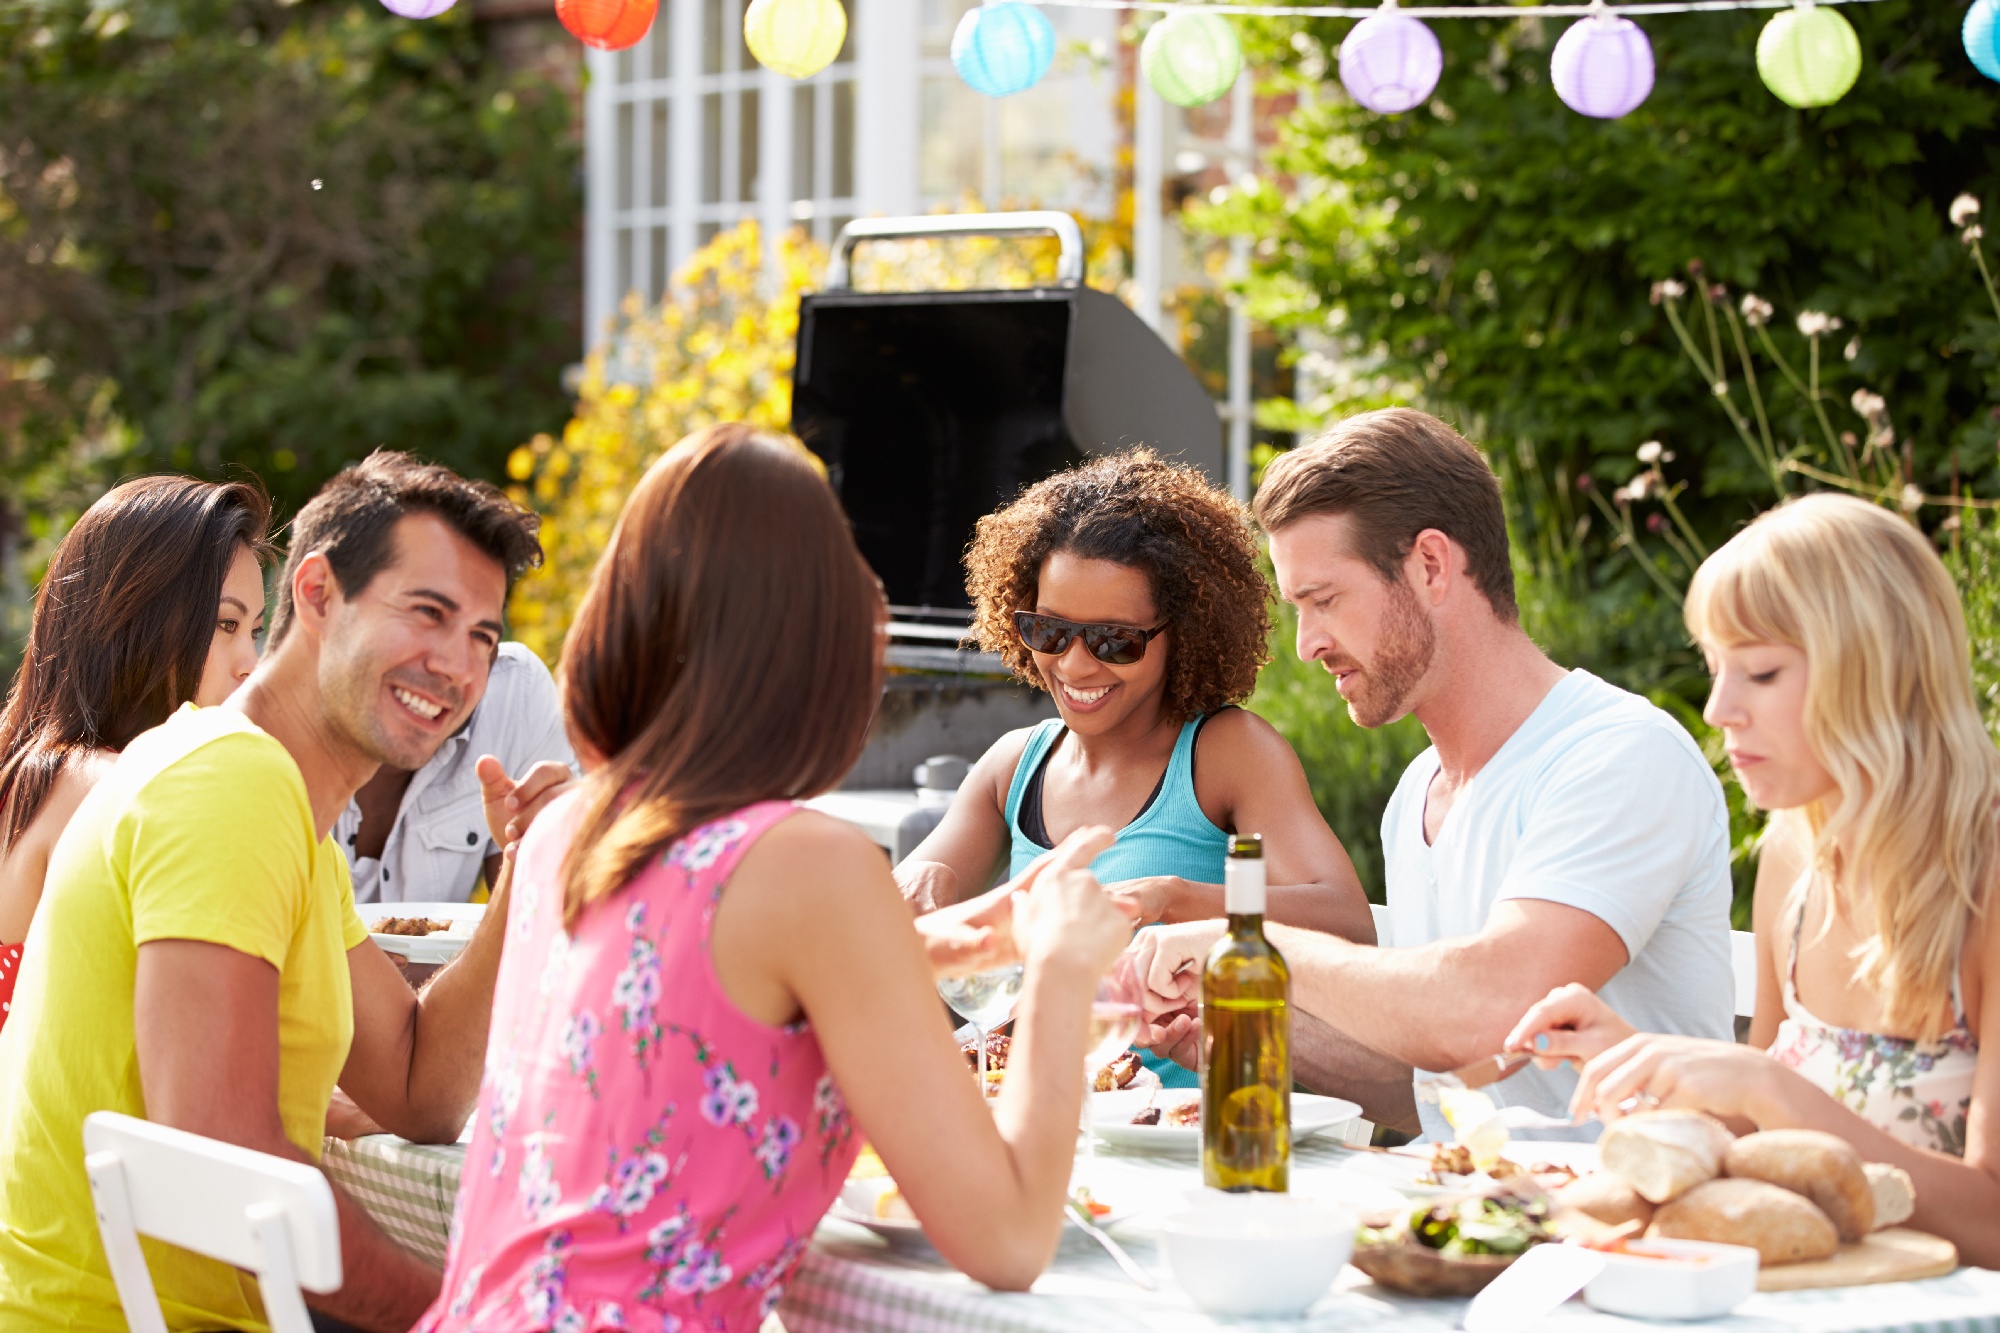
(1390, 62)
(417, 9)
(1603, 66)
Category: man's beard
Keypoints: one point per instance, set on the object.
(1409, 642)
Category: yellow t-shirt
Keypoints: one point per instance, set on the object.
(202, 831)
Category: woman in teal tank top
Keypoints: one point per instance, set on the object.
(1128, 589)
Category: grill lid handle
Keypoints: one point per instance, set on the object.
(1069, 265)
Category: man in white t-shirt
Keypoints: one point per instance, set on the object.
(1559, 829)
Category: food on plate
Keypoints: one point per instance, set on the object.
(890, 1206)
(1117, 1074)
(1447, 1159)
(1664, 1154)
(1783, 1227)
(1082, 1198)
(408, 925)
(1148, 1115)
(1455, 1246)
(1823, 1167)
(997, 1046)
(1470, 1114)
(1608, 1198)
(1181, 1115)
(1895, 1193)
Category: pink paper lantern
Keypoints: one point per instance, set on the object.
(1602, 66)
(1390, 62)
(417, 9)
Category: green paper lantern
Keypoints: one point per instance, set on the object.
(1191, 57)
(1808, 56)
(797, 38)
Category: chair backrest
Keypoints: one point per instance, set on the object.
(252, 1210)
(1742, 960)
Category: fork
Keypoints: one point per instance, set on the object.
(1126, 1263)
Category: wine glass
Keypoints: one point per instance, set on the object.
(985, 1000)
(1115, 1017)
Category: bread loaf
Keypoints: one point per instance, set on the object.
(1607, 1197)
(1664, 1154)
(1823, 1167)
(1783, 1227)
(1895, 1193)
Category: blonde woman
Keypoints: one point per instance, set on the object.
(1842, 690)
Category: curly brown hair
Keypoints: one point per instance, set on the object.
(1191, 540)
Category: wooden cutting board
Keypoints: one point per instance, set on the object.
(1894, 1255)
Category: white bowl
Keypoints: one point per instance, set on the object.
(1257, 1255)
(1691, 1279)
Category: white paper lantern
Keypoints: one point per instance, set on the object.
(1390, 62)
(1602, 66)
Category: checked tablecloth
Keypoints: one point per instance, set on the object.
(852, 1279)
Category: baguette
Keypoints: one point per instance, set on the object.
(1823, 1167)
(1607, 1197)
(1783, 1227)
(1895, 1193)
(1664, 1154)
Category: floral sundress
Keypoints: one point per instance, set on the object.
(1917, 1092)
(644, 1156)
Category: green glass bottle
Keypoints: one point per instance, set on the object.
(1246, 1040)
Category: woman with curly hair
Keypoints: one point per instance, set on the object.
(1128, 589)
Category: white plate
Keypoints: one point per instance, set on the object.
(856, 1204)
(1111, 1119)
(1400, 1168)
(441, 947)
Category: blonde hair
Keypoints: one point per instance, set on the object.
(1890, 713)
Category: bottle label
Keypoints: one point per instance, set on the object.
(1243, 886)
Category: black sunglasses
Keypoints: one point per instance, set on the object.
(1119, 645)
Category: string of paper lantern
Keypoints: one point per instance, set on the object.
(608, 25)
(797, 38)
(1003, 48)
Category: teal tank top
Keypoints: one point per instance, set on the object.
(1172, 836)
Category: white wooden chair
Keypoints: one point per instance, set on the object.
(267, 1214)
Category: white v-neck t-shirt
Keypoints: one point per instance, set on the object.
(1602, 802)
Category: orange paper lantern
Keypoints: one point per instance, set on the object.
(608, 25)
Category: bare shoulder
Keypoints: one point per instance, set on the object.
(811, 847)
(1781, 858)
(1236, 743)
(83, 771)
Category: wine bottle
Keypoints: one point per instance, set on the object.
(1246, 1040)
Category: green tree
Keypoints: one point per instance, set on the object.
(279, 234)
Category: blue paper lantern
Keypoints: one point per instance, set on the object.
(1002, 49)
(1982, 37)
(1390, 62)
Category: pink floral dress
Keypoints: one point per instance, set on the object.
(644, 1155)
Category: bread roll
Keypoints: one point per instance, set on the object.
(1895, 1193)
(1607, 1197)
(1823, 1167)
(1664, 1154)
(1783, 1227)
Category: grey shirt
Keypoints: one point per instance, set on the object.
(439, 841)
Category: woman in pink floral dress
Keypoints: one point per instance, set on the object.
(1844, 697)
(708, 994)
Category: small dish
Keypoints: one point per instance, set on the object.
(438, 947)
(1673, 1279)
(1260, 1256)
(1111, 1119)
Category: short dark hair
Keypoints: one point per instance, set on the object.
(123, 622)
(353, 519)
(1398, 472)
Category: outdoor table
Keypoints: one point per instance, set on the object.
(853, 1279)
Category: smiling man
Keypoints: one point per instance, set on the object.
(1559, 829)
(198, 960)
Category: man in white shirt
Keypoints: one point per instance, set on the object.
(1559, 829)
(421, 837)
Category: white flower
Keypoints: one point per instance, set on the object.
(1852, 350)
(1756, 310)
(1813, 323)
(1913, 499)
(1671, 289)
(1972, 234)
(1650, 451)
(1963, 210)
(1867, 404)
(1634, 490)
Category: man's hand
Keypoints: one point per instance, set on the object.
(512, 805)
(1168, 960)
(1570, 1025)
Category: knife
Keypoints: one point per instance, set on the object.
(1478, 1074)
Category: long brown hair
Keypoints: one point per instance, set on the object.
(727, 651)
(122, 626)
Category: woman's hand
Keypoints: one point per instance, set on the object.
(1148, 900)
(1062, 915)
(1650, 1069)
(976, 935)
(1570, 1024)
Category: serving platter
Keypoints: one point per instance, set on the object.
(1111, 1118)
(438, 947)
(1402, 1169)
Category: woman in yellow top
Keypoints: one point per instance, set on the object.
(1843, 694)
(153, 599)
